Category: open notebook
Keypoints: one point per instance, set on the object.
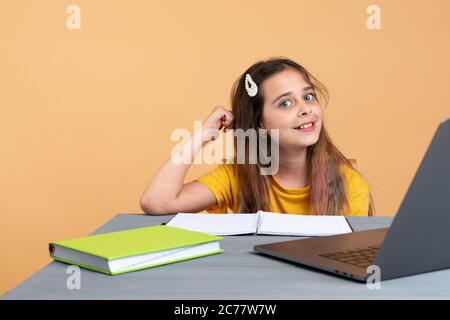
(262, 223)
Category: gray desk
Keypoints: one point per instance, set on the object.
(238, 273)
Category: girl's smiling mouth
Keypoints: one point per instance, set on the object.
(306, 127)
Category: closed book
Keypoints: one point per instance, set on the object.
(131, 250)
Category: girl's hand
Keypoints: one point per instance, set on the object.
(220, 118)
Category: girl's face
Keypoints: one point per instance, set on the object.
(289, 102)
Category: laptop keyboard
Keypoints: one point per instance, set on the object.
(357, 257)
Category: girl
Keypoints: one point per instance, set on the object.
(313, 176)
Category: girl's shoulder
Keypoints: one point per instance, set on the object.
(221, 172)
(353, 177)
(229, 168)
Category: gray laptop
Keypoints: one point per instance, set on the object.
(417, 241)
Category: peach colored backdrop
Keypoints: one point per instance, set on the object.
(86, 115)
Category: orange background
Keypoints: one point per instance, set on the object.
(86, 115)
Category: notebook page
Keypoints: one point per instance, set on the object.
(302, 225)
(216, 224)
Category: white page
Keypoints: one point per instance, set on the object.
(155, 258)
(301, 225)
(217, 224)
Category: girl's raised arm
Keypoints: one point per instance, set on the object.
(166, 193)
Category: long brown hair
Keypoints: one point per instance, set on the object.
(324, 161)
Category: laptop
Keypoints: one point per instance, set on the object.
(417, 241)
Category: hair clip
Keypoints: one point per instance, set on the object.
(250, 86)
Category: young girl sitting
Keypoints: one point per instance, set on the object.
(313, 176)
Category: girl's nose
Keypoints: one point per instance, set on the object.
(304, 111)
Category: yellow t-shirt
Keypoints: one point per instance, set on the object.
(223, 183)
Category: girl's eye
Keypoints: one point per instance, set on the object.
(282, 104)
(310, 97)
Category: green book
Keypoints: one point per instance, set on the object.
(136, 249)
